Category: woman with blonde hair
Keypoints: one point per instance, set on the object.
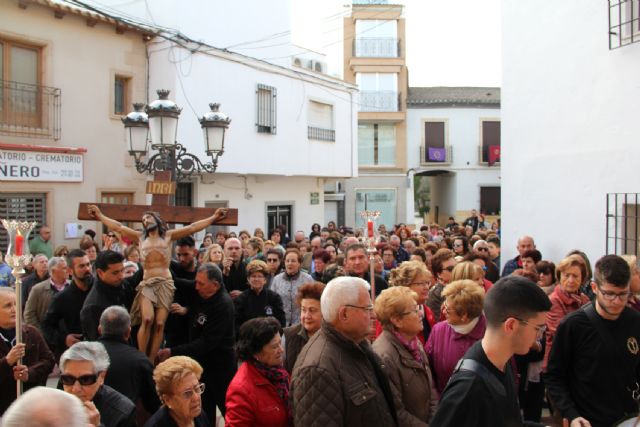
(405, 361)
(415, 276)
(214, 254)
(473, 268)
(450, 340)
(179, 388)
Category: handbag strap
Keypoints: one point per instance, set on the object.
(480, 370)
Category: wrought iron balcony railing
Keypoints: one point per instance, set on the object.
(376, 47)
(434, 156)
(30, 110)
(372, 101)
(320, 134)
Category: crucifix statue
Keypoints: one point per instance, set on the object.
(155, 292)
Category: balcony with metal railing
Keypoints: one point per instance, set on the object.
(30, 110)
(376, 47)
(321, 134)
(435, 156)
(379, 101)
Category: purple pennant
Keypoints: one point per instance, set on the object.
(436, 154)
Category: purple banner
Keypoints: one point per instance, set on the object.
(436, 154)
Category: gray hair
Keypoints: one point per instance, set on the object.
(89, 351)
(37, 257)
(7, 290)
(115, 321)
(45, 407)
(54, 261)
(128, 264)
(339, 292)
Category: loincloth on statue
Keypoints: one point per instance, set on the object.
(158, 290)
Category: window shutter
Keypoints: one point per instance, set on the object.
(266, 103)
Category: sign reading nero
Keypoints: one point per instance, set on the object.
(40, 166)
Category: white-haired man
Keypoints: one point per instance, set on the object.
(83, 368)
(337, 379)
(44, 406)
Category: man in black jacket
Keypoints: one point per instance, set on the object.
(183, 272)
(109, 288)
(211, 337)
(61, 325)
(482, 391)
(593, 374)
(130, 371)
(233, 268)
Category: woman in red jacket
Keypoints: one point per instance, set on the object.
(566, 297)
(259, 393)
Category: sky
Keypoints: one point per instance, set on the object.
(449, 43)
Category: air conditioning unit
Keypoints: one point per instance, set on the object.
(317, 66)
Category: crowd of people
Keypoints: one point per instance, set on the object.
(254, 330)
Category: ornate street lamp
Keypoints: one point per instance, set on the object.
(160, 121)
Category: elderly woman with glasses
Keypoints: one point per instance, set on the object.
(83, 368)
(415, 276)
(465, 325)
(259, 393)
(405, 361)
(179, 388)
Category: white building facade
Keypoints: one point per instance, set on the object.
(570, 126)
(452, 137)
(293, 131)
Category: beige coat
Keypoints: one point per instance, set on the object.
(412, 384)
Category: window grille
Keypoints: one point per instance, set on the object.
(22, 207)
(266, 100)
(624, 22)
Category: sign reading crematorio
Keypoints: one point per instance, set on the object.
(40, 166)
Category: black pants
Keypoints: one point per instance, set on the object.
(215, 391)
(531, 400)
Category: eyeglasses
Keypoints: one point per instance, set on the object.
(197, 389)
(413, 311)
(457, 245)
(273, 260)
(82, 379)
(483, 249)
(539, 329)
(368, 308)
(610, 296)
(111, 235)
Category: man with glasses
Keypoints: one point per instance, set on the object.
(83, 368)
(338, 379)
(593, 374)
(482, 389)
(442, 264)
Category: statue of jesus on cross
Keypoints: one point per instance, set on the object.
(155, 292)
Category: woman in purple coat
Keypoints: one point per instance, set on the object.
(465, 325)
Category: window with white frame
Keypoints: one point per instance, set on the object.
(320, 121)
(266, 107)
(376, 144)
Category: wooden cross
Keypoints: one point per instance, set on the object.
(160, 204)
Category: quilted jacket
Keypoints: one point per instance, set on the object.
(336, 382)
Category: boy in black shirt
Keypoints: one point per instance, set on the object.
(482, 390)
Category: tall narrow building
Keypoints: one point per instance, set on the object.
(374, 59)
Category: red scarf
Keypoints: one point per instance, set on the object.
(279, 377)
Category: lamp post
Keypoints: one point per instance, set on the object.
(157, 126)
(17, 257)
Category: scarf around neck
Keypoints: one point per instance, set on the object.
(279, 377)
(412, 346)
